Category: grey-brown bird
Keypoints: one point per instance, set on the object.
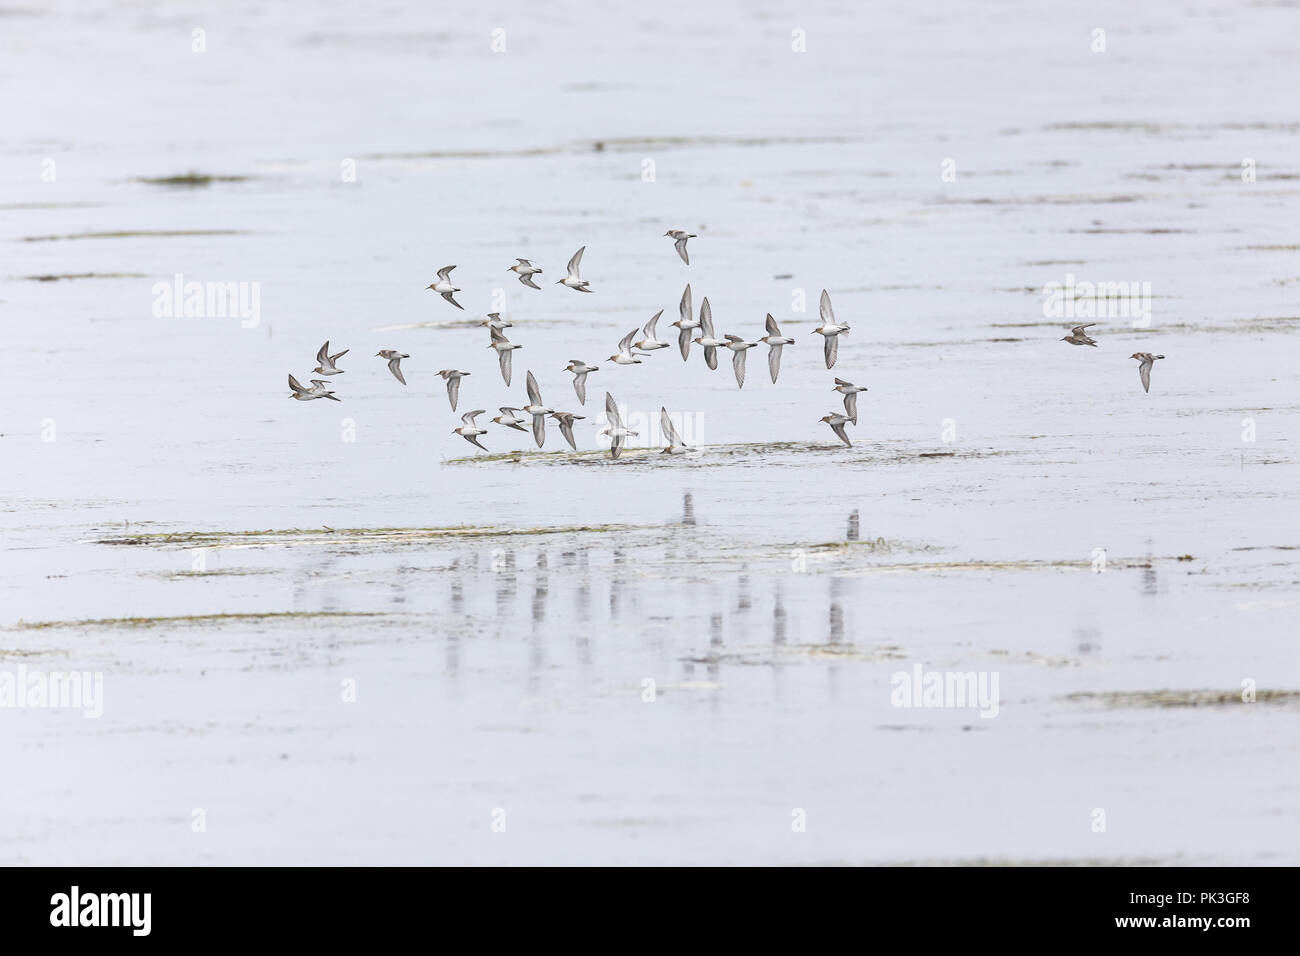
(1145, 360)
(1078, 336)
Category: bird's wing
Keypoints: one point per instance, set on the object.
(447, 296)
(534, 393)
(611, 411)
(497, 334)
(453, 391)
(616, 447)
(507, 410)
(528, 281)
(684, 343)
(1078, 329)
(685, 309)
(706, 318)
(839, 430)
(468, 417)
(444, 272)
(840, 381)
(680, 244)
(738, 363)
(851, 406)
(626, 341)
(395, 366)
(832, 349)
(505, 364)
(575, 262)
(774, 361)
(539, 429)
(323, 356)
(828, 317)
(293, 384)
(523, 262)
(667, 426)
(733, 338)
(580, 387)
(711, 356)
(338, 355)
(566, 429)
(1145, 371)
(772, 328)
(649, 329)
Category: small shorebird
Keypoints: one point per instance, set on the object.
(495, 322)
(452, 378)
(580, 371)
(707, 339)
(686, 324)
(616, 430)
(675, 444)
(394, 362)
(850, 393)
(444, 287)
(1078, 336)
(509, 419)
(681, 235)
(650, 343)
(503, 347)
(1145, 361)
(537, 410)
(526, 270)
(830, 329)
(566, 420)
(775, 340)
(325, 361)
(317, 390)
(837, 423)
(470, 431)
(573, 280)
(738, 347)
(624, 355)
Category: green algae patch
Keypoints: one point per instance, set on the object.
(1185, 698)
(190, 180)
(191, 619)
(345, 536)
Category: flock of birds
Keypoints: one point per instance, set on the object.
(630, 352)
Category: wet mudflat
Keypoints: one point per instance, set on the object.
(349, 637)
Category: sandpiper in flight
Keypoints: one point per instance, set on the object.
(681, 235)
(1145, 361)
(573, 280)
(470, 431)
(686, 324)
(526, 270)
(706, 338)
(850, 393)
(394, 362)
(317, 390)
(625, 355)
(325, 361)
(830, 329)
(566, 420)
(1078, 336)
(675, 444)
(738, 347)
(650, 343)
(495, 322)
(580, 370)
(452, 378)
(509, 419)
(444, 287)
(537, 410)
(616, 430)
(774, 339)
(837, 423)
(503, 347)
